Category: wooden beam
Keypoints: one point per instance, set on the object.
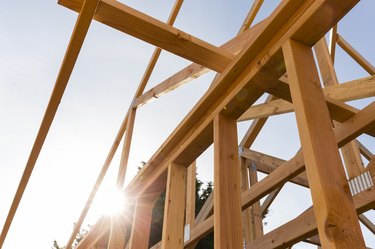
(142, 218)
(364, 151)
(157, 33)
(97, 233)
(190, 194)
(251, 15)
(267, 164)
(194, 70)
(128, 123)
(255, 128)
(247, 226)
(173, 224)
(280, 176)
(333, 40)
(367, 222)
(334, 210)
(352, 90)
(350, 152)
(126, 148)
(268, 201)
(355, 55)
(227, 192)
(304, 226)
(257, 218)
(363, 118)
(76, 40)
(118, 230)
(194, 134)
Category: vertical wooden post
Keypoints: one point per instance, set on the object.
(174, 210)
(118, 232)
(227, 191)
(256, 212)
(140, 233)
(190, 194)
(336, 218)
(246, 214)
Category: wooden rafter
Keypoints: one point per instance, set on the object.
(274, 57)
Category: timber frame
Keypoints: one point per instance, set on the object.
(275, 56)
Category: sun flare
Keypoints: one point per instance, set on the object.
(110, 201)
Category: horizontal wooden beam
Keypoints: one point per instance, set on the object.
(304, 226)
(157, 33)
(257, 68)
(195, 70)
(352, 90)
(277, 178)
(267, 164)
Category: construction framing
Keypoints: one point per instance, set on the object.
(275, 56)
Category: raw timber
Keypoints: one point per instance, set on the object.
(275, 57)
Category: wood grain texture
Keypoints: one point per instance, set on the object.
(157, 33)
(304, 226)
(227, 191)
(352, 90)
(142, 218)
(194, 134)
(333, 206)
(173, 224)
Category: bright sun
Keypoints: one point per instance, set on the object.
(110, 201)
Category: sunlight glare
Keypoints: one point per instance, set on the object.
(110, 201)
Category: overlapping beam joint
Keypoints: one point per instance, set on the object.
(251, 64)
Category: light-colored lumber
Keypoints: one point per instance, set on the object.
(251, 15)
(350, 152)
(257, 220)
(366, 65)
(142, 218)
(157, 33)
(300, 228)
(364, 151)
(267, 164)
(352, 159)
(127, 123)
(126, 148)
(118, 230)
(332, 42)
(182, 144)
(190, 194)
(173, 224)
(363, 119)
(97, 232)
(371, 166)
(268, 201)
(255, 128)
(247, 226)
(334, 210)
(278, 177)
(227, 191)
(367, 222)
(195, 70)
(132, 110)
(76, 40)
(98, 181)
(304, 226)
(352, 90)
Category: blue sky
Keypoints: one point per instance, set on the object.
(33, 39)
